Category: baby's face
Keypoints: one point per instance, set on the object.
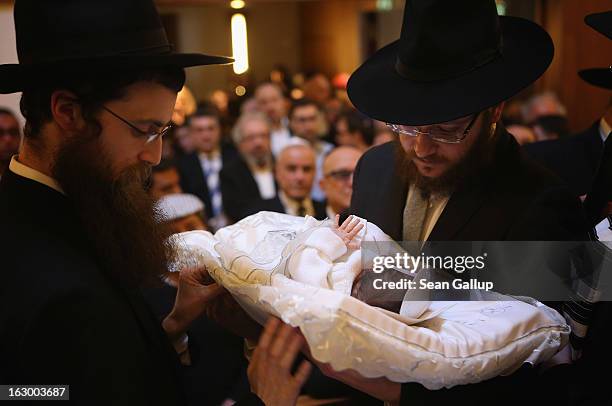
(363, 290)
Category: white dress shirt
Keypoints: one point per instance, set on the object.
(604, 129)
(29, 173)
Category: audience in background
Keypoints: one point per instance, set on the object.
(295, 174)
(317, 88)
(545, 114)
(382, 134)
(576, 158)
(10, 137)
(184, 107)
(165, 179)
(250, 177)
(305, 119)
(183, 142)
(200, 170)
(272, 102)
(182, 212)
(354, 130)
(337, 182)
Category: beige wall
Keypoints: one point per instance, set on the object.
(273, 34)
(577, 46)
(8, 54)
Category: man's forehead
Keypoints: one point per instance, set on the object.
(344, 158)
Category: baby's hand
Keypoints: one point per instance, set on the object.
(348, 230)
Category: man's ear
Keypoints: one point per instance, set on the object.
(66, 110)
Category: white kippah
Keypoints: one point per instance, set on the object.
(179, 205)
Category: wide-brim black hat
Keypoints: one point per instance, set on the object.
(600, 77)
(600, 22)
(453, 59)
(65, 37)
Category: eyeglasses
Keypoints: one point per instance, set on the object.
(340, 175)
(149, 136)
(12, 132)
(447, 133)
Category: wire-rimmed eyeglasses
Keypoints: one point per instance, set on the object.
(448, 133)
(149, 136)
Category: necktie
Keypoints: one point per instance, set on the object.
(301, 210)
(415, 212)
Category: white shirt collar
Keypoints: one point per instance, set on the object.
(604, 129)
(25, 171)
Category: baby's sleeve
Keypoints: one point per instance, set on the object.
(315, 260)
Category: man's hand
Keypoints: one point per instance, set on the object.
(225, 311)
(270, 369)
(191, 298)
(379, 388)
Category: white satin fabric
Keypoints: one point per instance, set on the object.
(299, 270)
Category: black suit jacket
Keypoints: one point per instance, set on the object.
(574, 159)
(63, 320)
(192, 176)
(276, 205)
(515, 199)
(239, 189)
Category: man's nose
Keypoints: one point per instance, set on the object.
(152, 152)
(424, 146)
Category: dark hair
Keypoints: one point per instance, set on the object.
(204, 110)
(164, 165)
(303, 103)
(93, 89)
(356, 122)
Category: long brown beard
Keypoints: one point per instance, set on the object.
(119, 218)
(476, 160)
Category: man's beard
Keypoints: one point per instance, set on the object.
(119, 218)
(259, 161)
(476, 160)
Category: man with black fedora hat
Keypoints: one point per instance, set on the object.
(80, 234)
(576, 159)
(455, 174)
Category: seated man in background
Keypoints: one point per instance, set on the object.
(337, 181)
(165, 180)
(10, 137)
(250, 177)
(200, 171)
(295, 173)
(354, 130)
(271, 101)
(306, 119)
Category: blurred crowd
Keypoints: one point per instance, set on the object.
(283, 147)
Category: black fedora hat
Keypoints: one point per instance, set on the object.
(79, 35)
(453, 59)
(601, 22)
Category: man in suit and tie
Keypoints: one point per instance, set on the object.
(295, 173)
(455, 174)
(337, 182)
(200, 170)
(250, 177)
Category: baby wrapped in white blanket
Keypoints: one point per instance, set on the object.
(302, 271)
